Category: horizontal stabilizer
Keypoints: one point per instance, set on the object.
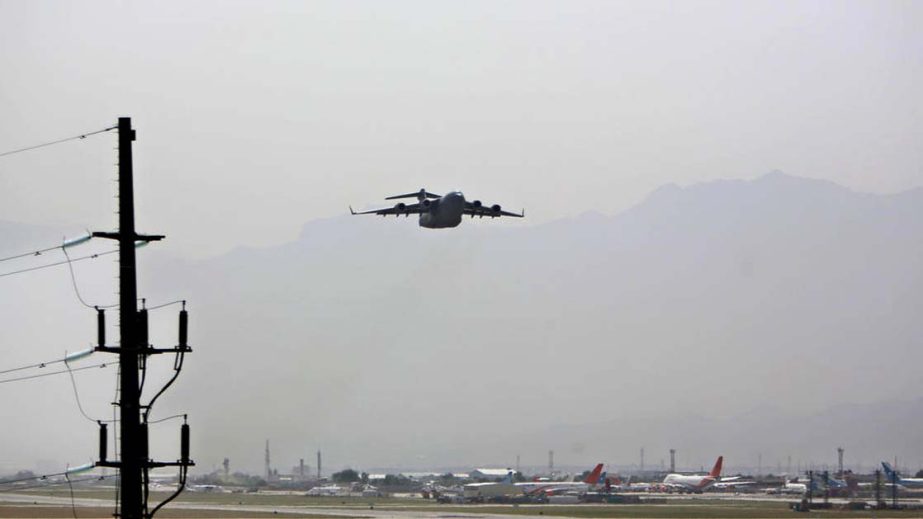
(420, 195)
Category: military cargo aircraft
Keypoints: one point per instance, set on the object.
(438, 211)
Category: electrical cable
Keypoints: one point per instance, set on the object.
(81, 258)
(31, 478)
(64, 244)
(59, 141)
(180, 485)
(103, 365)
(167, 418)
(40, 365)
(71, 487)
(30, 366)
(177, 367)
(33, 253)
(166, 304)
(115, 439)
(143, 361)
(178, 361)
(55, 483)
(77, 396)
(70, 267)
(183, 469)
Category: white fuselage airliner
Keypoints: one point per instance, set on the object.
(558, 487)
(694, 483)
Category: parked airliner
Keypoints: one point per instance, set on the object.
(895, 478)
(557, 487)
(696, 483)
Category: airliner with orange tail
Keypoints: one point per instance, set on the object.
(696, 483)
(549, 488)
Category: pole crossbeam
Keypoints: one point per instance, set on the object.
(144, 351)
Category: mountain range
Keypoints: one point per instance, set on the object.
(777, 316)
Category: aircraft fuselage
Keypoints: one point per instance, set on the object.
(689, 483)
(443, 212)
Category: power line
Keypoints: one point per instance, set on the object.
(70, 357)
(46, 476)
(167, 418)
(64, 245)
(77, 395)
(59, 141)
(90, 256)
(32, 253)
(133, 465)
(70, 486)
(40, 365)
(70, 267)
(115, 439)
(31, 478)
(166, 304)
(103, 365)
(53, 483)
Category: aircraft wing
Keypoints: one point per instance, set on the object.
(398, 210)
(733, 484)
(476, 209)
(549, 490)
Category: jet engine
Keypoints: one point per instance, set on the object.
(426, 203)
(400, 208)
(477, 204)
(495, 209)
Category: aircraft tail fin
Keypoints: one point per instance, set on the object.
(593, 478)
(888, 470)
(716, 470)
(508, 478)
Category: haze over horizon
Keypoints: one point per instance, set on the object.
(524, 339)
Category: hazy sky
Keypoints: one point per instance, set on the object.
(254, 118)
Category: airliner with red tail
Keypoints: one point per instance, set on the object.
(694, 483)
(549, 488)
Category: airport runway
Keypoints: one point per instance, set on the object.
(344, 512)
(380, 511)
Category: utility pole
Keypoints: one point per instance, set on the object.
(268, 470)
(672, 461)
(894, 485)
(133, 346)
(879, 503)
(839, 454)
(642, 459)
(826, 488)
(810, 487)
(132, 451)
